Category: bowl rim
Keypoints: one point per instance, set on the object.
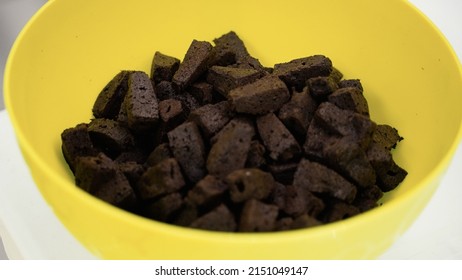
(153, 225)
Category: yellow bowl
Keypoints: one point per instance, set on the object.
(70, 49)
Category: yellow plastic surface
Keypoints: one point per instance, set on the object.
(71, 49)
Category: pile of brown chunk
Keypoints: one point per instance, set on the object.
(220, 142)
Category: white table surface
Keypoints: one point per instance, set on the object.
(30, 230)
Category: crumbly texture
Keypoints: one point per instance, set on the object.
(220, 142)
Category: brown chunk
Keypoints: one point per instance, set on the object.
(202, 92)
(350, 99)
(132, 171)
(245, 184)
(160, 153)
(110, 136)
(340, 211)
(188, 148)
(317, 178)
(257, 216)
(219, 219)
(389, 174)
(163, 67)
(224, 79)
(284, 224)
(317, 137)
(314, 205)
(321, 87)
(230, 150)
(100, 176)
(367, 198)
(392, 178)
(336, 75)
(122, 117)
(211, 117)
(109, 100)
(187, 214)
(141, 103)
(194, 64)
(118, 192)
(171, 112)
(351, 83)
(165, 207)
(256, 155)
(132, 155)
(189, 102)
(296, 201)
(386, 136)
(283, 172)
(304, 221)
(379, 157)
(297, 71)
(342, 153)
(345, 123)
(278, 195)
(277, 139)
(350, 160)
(93, 171)
(208, 191)
(160, 179)
(298, 112)
(265, 95)
(230, 49)
(76, 142)
(165, 90)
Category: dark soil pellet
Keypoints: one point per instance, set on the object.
(202, 92)
(211, 118)
(245, 184)
(277, 139)
(76, 143)
(231, 148)
(224, 79)
(171, 112)
(258, 216)
(296, 72)
(140, 103)
(229, 49)
(298, 112)
(208, 191)
(220, 142)
(165, 207)
(317, 178)
(386, 136)
(350, 98)
(193, 65)
(163, 67)
(160, 179)
(256, 155)
(265, 95)
(219, 219)
(188, 148)
(109, 100)
(304, 221)
(283, 172)
(321, 87)
(161, 152)
(355, 83)
(100, 176)
(110, 136)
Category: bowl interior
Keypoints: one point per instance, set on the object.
(70, 50)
